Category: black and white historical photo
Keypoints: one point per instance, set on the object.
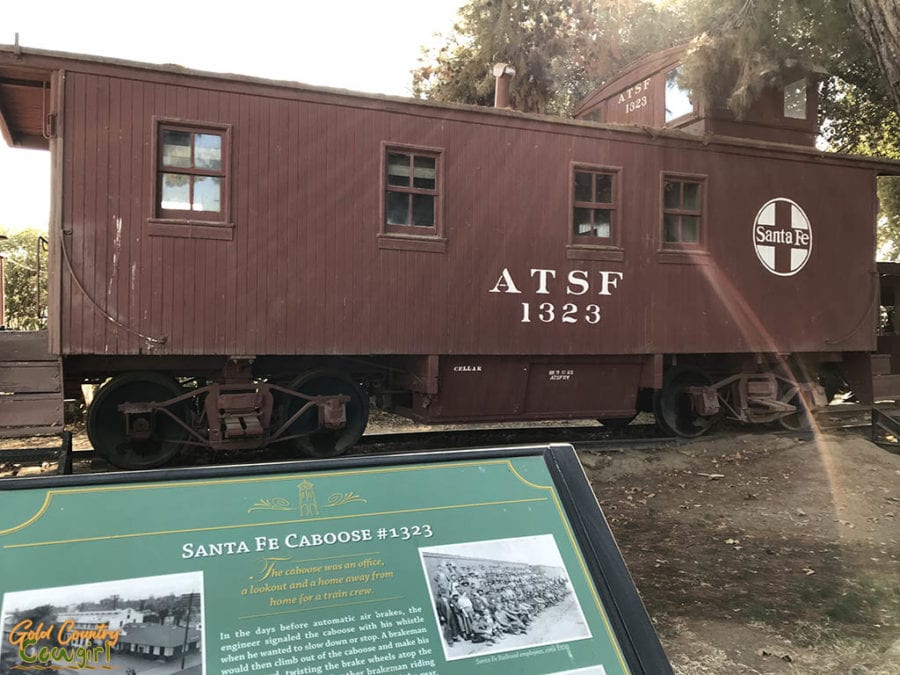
(139, 625)
(501, 595)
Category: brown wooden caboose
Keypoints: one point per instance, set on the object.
(244, 262)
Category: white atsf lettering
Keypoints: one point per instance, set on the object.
(578, 282)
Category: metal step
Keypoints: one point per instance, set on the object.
(885, 428)
(886, 387)
(62, 455)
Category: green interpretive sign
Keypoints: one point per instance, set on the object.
(451, 563)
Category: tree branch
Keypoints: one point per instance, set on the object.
(879, 23)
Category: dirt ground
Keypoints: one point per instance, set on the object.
(754, 553)
(762, 553)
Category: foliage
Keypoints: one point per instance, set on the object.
(878, 23)
(560, 49)
(45, 614)
(889, 224)
(563, 49)
(527, 35)
(745, 44)
(21, 272)
(42, 614)
(855, 124)
(177, 606)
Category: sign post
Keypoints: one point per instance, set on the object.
(486, 562)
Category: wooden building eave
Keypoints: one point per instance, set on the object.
(23, 104)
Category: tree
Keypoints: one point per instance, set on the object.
(854, 124)
(43, 614)
(746, 43)
(878, 22)
(867, 126)
(25, 293)
(168, 605)
(530, 36)
(560, 49)
(743, 46)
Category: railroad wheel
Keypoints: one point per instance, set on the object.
(106, 425)
(327, 442)
(800, 420)
(672, 404)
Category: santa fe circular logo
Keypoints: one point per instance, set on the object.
(782, 237)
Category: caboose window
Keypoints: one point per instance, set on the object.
(682, 211)
(593, 205)
(191, 173)
(678, 98)
(795, 100)
(594, 213)
(411, 192)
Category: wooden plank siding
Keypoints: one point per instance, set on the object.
(29, 377)
(31, 398)
(304, 272)
(20, 346)
(31, 415)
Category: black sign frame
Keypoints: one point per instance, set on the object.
(637, 639)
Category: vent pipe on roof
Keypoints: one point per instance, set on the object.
(504, 73)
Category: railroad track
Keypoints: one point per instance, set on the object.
(599, 439)
(636, 434)
(843, 417)
(851, 416)
(595, 438)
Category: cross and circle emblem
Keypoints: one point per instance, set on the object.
(782, 237)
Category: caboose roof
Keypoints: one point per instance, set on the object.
(23, 92)
(26, 75)
(634, 72)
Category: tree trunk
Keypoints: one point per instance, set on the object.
(879, 23)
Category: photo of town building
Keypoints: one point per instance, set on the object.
(130, 625)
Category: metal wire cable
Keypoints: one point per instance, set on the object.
(153, 340)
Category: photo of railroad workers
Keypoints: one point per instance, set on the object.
(501, 595)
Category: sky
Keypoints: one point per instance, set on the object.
(536, 550)
(364, 45)
(126, 589)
